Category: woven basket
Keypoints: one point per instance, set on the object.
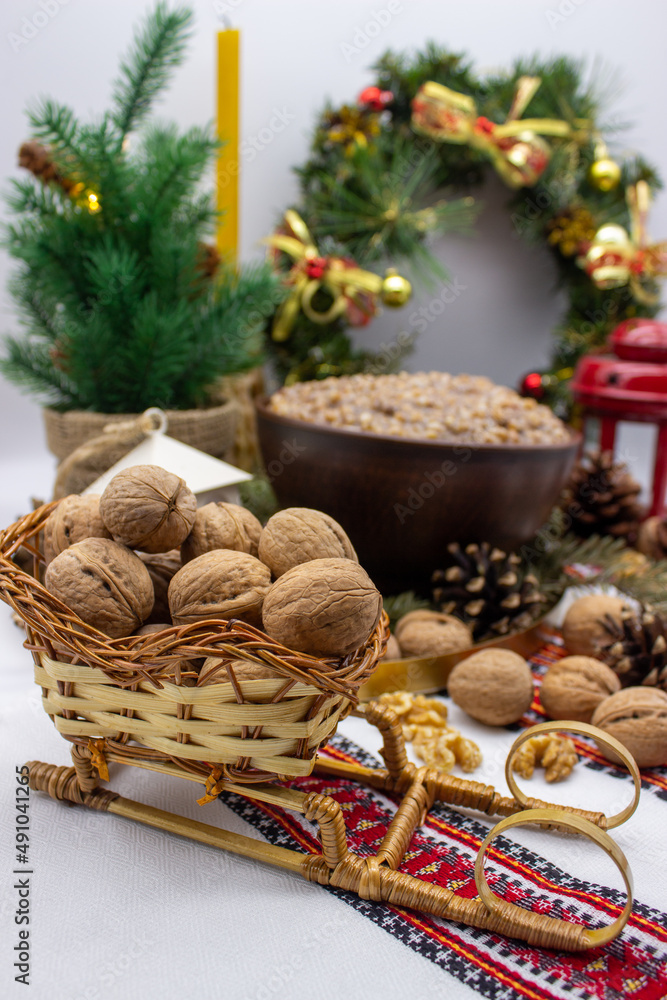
(211, 430)
(139, 696)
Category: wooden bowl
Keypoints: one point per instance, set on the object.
(402, 502)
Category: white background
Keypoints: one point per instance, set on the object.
(296, 54)
(293, 59)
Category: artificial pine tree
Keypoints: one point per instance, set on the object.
(124, 303)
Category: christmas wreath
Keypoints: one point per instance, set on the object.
(427, 125)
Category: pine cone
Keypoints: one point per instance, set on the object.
(601, 498)
(35, 157)
(637, 648)
(652, 540)
(488, 589)
(209, 259)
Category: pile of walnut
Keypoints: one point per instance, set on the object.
(610, 675)
(143, 554)
(424, 722)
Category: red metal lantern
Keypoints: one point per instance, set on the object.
(629, 384)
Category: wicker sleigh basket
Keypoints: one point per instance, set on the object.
(139, 697)
(137, 701)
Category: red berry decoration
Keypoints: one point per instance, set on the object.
(375, 99)
(532, 384)
(316, 267)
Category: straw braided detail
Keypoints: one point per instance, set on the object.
(328, 813)
(62, 783)
(410, 814)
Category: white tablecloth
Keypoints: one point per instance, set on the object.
(120, 910)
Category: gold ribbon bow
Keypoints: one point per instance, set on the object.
(516, 150)
(615, 257)
(353, 290)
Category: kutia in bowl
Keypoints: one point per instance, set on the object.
(410, 463)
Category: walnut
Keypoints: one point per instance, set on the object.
(434, 741)
(219, 584)
(153, 628)
(75, 518)
(297, 535)
(494, 686)
(583, 626)
(327, 607)
(392, 650)
(147, 508)
(553, 752)
(431, 633)
(442, 748)
(637, 718)
(104, 583)
(162, 567)
(222, 526)
(573, 687)
(652, 538)
(214, 671)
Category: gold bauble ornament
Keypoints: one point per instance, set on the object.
(604, 174)
(396, 290)
(612, 234)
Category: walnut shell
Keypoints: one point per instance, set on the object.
(652, 538)
(104, 583)
(162, 567)
(146, 507)
(583, 629)
(153, 628)
(222, 526)
(327, 607)
(298, 534)
(494, 686)
(219, 584)
(575, 686)
(75, 518)
(392, 649)
(431, 633)
(637, 718)
(214, 672)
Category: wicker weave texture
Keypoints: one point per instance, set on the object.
(141, 694)
(195, 723)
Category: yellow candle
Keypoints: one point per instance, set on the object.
(228, 132)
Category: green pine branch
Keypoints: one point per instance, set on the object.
(30, 365)
(158, 47)
(120, 307)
